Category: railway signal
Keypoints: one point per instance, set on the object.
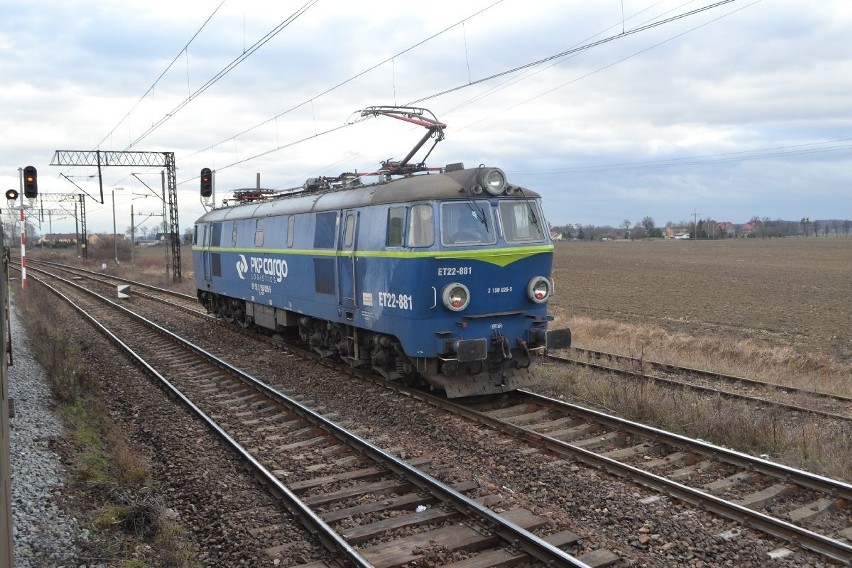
(206, 182)
(30, 182)
(11, 194)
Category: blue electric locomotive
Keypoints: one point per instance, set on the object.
(439, 276)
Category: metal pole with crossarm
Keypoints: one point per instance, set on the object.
(105, 158)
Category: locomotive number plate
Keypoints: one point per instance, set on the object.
(455, 271)
(400, 301)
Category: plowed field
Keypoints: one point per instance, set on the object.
(790, 292)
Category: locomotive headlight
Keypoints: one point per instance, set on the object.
(456, 296)
(493, 180)
(539, 289)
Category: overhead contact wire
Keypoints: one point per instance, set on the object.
(166, 70)
(227, 69)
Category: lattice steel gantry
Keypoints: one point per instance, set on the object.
(103, 158)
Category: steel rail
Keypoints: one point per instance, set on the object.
(784, 530)
(69, 268)
(807, 479)
(312, 521)
(506, 529)
(805, 538)
(708, 374)
(701, 388)
(96, 277)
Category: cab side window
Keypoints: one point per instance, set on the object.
(396, 225)
(258, 232)
(421, 226)
(291, 230)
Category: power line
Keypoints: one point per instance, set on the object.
(709, 159)
(350, 79)
(559, 55)
(224, 71)
(510, 81)
(166, 70)
(623, 59)
(571, 51)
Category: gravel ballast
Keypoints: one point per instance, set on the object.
(44, 535)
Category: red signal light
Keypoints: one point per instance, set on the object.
(206, 182)
(30, 182)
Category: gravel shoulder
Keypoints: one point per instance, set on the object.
(44, 534)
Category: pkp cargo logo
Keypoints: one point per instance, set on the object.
(242, 266)
(263, 269)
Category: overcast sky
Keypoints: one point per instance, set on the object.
(742, 110)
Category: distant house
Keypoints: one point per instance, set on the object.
(676, 233)
(555, 235)
(102, 238)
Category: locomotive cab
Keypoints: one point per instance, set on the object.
(492, 277)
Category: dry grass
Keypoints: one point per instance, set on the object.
(781, 365)
(815, 445)
(61, 360)
(107, 474)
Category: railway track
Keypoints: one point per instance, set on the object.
(796, 506)
(332, 475)
(185, 302)
(800, 507)
(827, 405)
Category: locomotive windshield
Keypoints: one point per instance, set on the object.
(521, 221)
(466, 223)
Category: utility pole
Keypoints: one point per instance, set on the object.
(695, 223)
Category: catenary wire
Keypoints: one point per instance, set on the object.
(503, 73)
(224, 71)
(157, 80)
(708, 159)
(349, 80)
